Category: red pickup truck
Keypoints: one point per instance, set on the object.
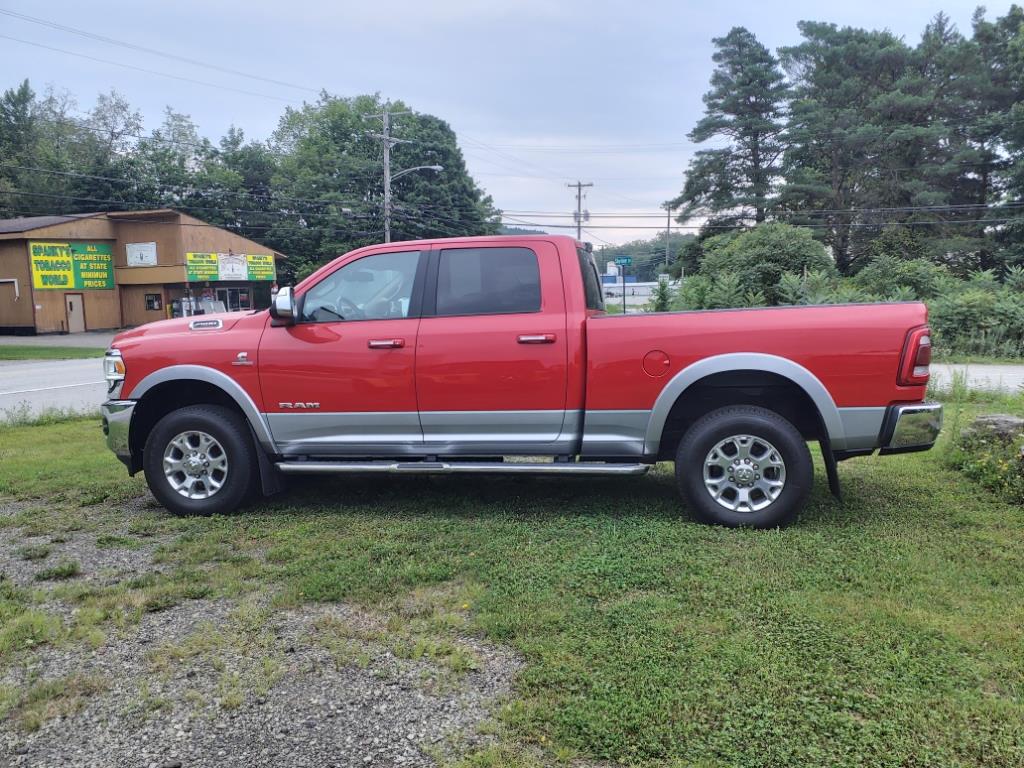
(495, 355)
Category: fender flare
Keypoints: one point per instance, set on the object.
(744, 361)
(222, 381)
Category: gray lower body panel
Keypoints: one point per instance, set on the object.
(597, 433)
(346, 434)
(477, 433)
(862, 428)
(614, 433)
(430, 433)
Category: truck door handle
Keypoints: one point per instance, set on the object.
(537, 338)
(385, 343)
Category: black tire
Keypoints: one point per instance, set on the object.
(767, 428)
(234, 442)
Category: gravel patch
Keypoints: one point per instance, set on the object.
(104, 565)
(221, 683)
(240, 696)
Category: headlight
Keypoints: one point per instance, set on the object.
(113, 372)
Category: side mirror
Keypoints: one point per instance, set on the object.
(282, 308)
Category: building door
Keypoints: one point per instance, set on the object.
(75, 312)
(235, 299)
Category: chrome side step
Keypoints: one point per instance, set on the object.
(458, 467)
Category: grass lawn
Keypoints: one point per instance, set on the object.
(884, 630)
(31, 352)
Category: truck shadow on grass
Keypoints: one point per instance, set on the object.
(653, 496)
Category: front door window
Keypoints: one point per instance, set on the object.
(375, 287)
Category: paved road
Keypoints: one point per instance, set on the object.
(97, 339)
(1008, 378)
(40, 385)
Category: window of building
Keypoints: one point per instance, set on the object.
(487, 281)
(154, 301)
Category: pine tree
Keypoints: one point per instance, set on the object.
(735, 185)
(845, 117)
(999, 135)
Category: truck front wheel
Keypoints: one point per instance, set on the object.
(199, 460)
(744, 466)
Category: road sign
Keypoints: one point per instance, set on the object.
(623, 261)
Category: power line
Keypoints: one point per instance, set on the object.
(182, 78)
(275, 198)
(201, 225)
(164, 186)
(14, 191)
(869, 225)
(156, 52)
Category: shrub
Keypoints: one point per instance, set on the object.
(884, 274)
(661, 299)
(759, 257)
(978, 320)
(1015, 278)
(726, 291)
(995, 463)
(895, 241)
(693, 293)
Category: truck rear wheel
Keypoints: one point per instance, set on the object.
(744, 466)
(199, 460)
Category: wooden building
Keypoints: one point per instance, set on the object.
(93, 271)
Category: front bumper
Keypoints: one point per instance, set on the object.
(117, 420)
(911, 428)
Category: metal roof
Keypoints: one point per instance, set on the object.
(28, 223)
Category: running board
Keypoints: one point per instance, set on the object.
(458, 467)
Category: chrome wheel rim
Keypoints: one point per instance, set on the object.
(195, 464)
(744, 473)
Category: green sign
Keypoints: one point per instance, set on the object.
(71, 266)
(212, 267)
(623, 261)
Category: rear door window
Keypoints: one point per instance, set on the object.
(487, 281)
(591, 282)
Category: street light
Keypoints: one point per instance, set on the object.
(388, 178)
(400, 174)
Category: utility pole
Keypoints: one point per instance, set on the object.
(668, 230)
(579, 215)
(388, 142)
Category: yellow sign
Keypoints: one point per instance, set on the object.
(261, 267)
(203, 267)
(72, 266)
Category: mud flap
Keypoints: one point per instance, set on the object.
(831, 467)
(271, 479)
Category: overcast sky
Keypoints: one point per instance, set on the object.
(540, 92)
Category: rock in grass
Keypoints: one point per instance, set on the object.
(999, 426)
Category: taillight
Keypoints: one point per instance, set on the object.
(917, 356)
